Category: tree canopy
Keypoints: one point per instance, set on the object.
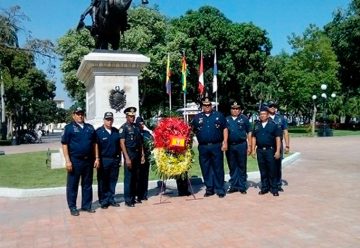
(29, 93)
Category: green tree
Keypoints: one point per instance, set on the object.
(313, 63)
(242, 51)
(29, 93)
(344, 33)
(72, 47)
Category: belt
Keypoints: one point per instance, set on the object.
(105, 157)
(82, 157)
(264, 147)
(237, 143)
(210, 143)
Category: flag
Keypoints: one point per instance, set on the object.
(168, 73)
(215, 72)
(201, 86)
(183, 73)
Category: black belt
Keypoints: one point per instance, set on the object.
(104, 157)
(210, 143)
(82, 157)
(264, 147)
(237, 143)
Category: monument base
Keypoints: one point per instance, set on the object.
(111, 81)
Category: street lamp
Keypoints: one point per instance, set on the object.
(324, 130)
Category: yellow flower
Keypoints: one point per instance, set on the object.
(170, 165)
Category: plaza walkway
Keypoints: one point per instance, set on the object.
(319, 208)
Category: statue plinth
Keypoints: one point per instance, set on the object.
(101, 72)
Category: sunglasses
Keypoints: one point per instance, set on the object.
(206, 105)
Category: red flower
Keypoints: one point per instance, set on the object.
(169, 128)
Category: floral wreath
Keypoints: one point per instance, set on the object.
(172, 154)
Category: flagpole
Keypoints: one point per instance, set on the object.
(214, 83)
(168, 81)
(216, 101)
(170, 102)
(184, 89)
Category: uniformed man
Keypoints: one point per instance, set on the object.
(238, 148)
(212, 135)
(132, 148)
(283, 125)
(108, 146)
(78, 143)
(148, 140)
(266, 145)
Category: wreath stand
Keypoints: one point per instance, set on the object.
(162, 192)
(192, 191)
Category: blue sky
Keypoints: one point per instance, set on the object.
(51, 19)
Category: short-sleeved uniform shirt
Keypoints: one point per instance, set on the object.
(109, 144)
(209, 129)
(131, 133)
(266, 136)
(80, 140)
(280, 122)
(238, 128)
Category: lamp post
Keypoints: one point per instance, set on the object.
(324, 130)
(314, 115)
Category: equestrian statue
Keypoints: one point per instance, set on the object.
(109, 21)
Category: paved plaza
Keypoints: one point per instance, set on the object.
(319, 208)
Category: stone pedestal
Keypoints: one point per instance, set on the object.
(103, 71)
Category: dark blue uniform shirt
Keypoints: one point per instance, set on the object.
(238, 128)
(148, 142)
(209, 129)
(280, 122)
(131, 134)
(79, 140)
(109, 144)
(266, 136)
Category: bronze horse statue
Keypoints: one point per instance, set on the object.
(109, 21)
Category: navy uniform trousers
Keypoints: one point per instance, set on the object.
(143, 180)
(107, 177)
(211, 159)
(237, 160)
(267, 167)
(82, 168)
(131, 176)
(278, 164)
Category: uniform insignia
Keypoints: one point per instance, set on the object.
(117, 99)
(121, 130)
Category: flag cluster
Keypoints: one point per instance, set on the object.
(201, 85)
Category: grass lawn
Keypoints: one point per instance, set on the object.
(335, 133)
(29, 170)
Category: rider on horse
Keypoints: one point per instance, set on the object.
(94, 8)
(109, 19)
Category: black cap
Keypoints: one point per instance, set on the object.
(130, 111)
(78, 110)
(206, 101)
(108, 115)
(235, 104)
(272, 103)
(139, 120)
(264, 108)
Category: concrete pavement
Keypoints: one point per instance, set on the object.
(319, 208)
